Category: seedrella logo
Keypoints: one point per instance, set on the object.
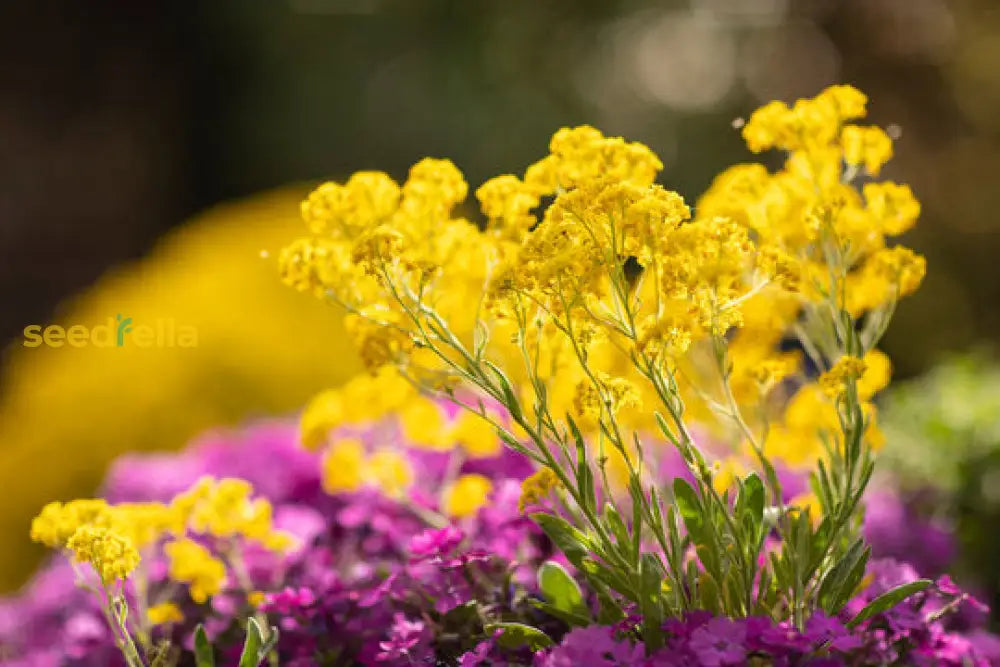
(120, 331)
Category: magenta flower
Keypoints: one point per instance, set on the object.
(720, 642)
(433, 543)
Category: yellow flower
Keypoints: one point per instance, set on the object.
(57, 522)
(535, 487)
(367, 198)
(611, 295)
(873, 434)
(112, 556)
(423, 423)
(324, 412)
(876, 376)
(391, 472)
(807, 125)
(901, 267)
(223, 508)
(466, 495)
(193, 564)
(868, 146)
(808, 503)
(582, 154)
(256, 598)
(769, 127)
(809, 410)
(366, 397)
(344, 466)
(145, 523)
(768, 372)
(893, 206)
(476, 436)
(433, 187)
(164, 613)
(507, 203)
(797, 448)
(848, 101)
(377, 335)
(726, 472)
(613, 394)
(834, 380)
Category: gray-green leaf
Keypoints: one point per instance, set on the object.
(255, 648)
(517, 635)
(561, 590)
(568, 539)
(204, 656)
(888, 600)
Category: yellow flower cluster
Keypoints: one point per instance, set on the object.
(93, 532)
(347, 467)
(810, 416)
(847, 369)
(535, 487)
(224, 509)
(57, 522)
(614, 297)
(385, 396)
(111, 537)
(193, 564)
(112, 556)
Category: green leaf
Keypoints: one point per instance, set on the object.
(561, 590)
(509, 397)
(802, 535)
(609, 611)
(256, 648)
(699, 524)
(750, 506)
(690, 509)
(617, 526)
(463, 616)
(517, 635)
(605, 575)
(850, 587)
(204, 656)
(569, 618)
(751, 500)
(519, 448)
(833, 583)
(584, 475)
(651, 581)
(574, 544)
(888, 600)
(708, 593)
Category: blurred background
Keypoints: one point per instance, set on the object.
(119, 121)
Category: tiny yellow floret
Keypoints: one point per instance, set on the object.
(834, 380)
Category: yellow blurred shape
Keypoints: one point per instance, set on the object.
(262, 349)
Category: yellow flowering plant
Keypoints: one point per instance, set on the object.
(201, 532)
(604, 316)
